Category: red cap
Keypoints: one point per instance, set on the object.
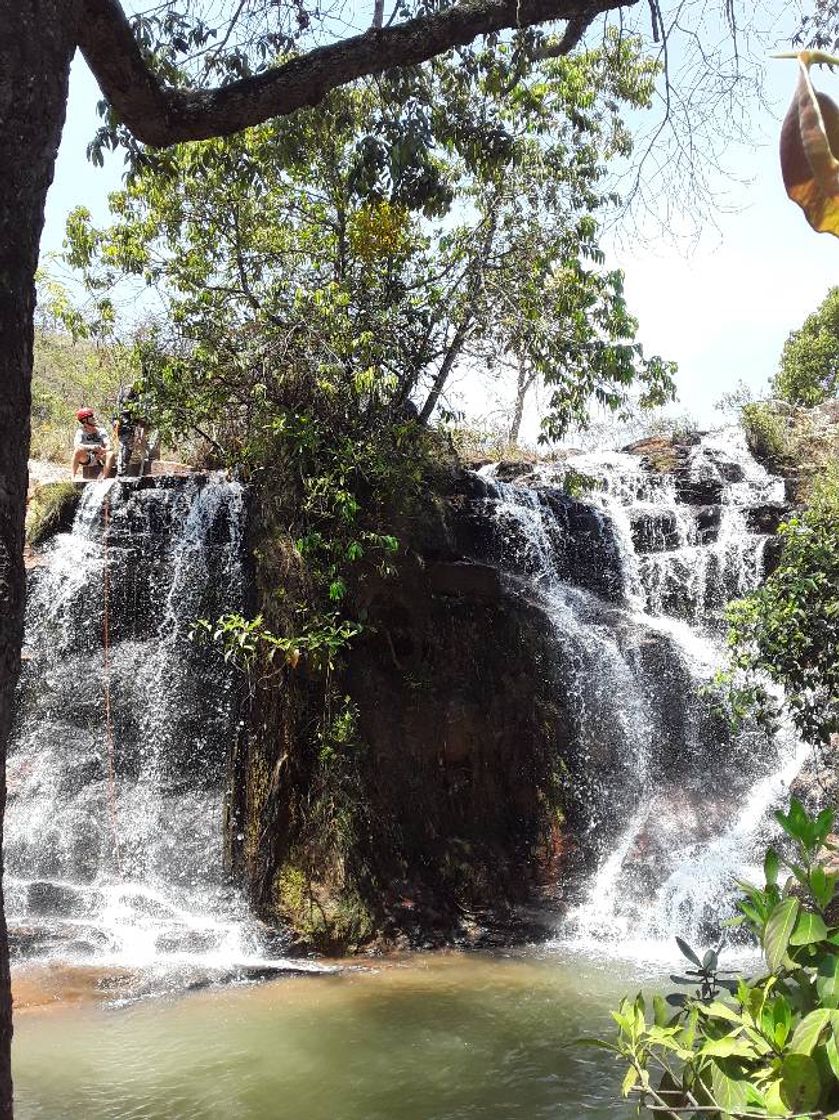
(84, 414)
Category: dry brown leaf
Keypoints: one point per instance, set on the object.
(809, 143)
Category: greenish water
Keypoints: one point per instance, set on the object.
(433, 1038)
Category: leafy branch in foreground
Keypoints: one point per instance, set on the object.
(740, 1048)
(248, 643)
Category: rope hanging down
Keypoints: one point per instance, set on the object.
(106, 679)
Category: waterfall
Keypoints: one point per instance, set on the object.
(135, 876)
(671, 805)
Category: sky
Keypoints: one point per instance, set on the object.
(720, 308)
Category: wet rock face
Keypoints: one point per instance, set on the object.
(483, 526)
(654, 530)
(767, 518)
(704, 490)
(708, 524)
(532, 669)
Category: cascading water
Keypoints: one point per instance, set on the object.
(130, 871)
(672, 803)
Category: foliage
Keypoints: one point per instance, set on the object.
(788, 629)
(319, 273)
(809, 369)
(732, 403)
(76, 362)
(764, 1047)
(317, 246)
(768, 434)
(250, 646)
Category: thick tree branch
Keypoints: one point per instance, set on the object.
(160, 116)
(570, 37)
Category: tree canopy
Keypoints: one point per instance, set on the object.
(393, 234)
(809, 367)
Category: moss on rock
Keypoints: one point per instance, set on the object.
(51, 509)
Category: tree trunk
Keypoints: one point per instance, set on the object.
(524, 380)
(36, 46)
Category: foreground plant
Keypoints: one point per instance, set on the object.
(765, 1047)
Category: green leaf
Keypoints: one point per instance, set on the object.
(809, 929)
(781, 1020)
(796, 823)
(717, 1010)
(595, 1043)
(688, 952)
(729, 1092)
(661, 1011)
(832, 1051)
(771, 864)
(800, 1085)
(630, 1078)
(779, 927)
(730, 1046)
(827, 981)
(822, 886)
(806, 1035)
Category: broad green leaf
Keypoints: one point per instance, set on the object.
(728, 1092)
(717, 1010)
(827, 981)
(806, 1035)
(800, 1085)
(779, 927)
(661, 1011)
(822, 886)
(809, 929)
(781, 1020)
(832, 1051)
(630, 1078)
(731, 1045)
(822, 825)
(772, 1096)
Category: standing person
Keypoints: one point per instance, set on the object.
(91, 445)
(132, 433)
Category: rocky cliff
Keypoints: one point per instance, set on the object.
(438, 814)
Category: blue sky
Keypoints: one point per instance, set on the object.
(722, 310)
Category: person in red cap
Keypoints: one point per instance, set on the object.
(91, 445)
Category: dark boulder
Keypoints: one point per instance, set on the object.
(698, 490)
(477, 581)
(772, 551)
(766, 518)
(507, 471)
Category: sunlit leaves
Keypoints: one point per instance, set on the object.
(771, 1050)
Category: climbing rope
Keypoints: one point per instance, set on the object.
(106, 679)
